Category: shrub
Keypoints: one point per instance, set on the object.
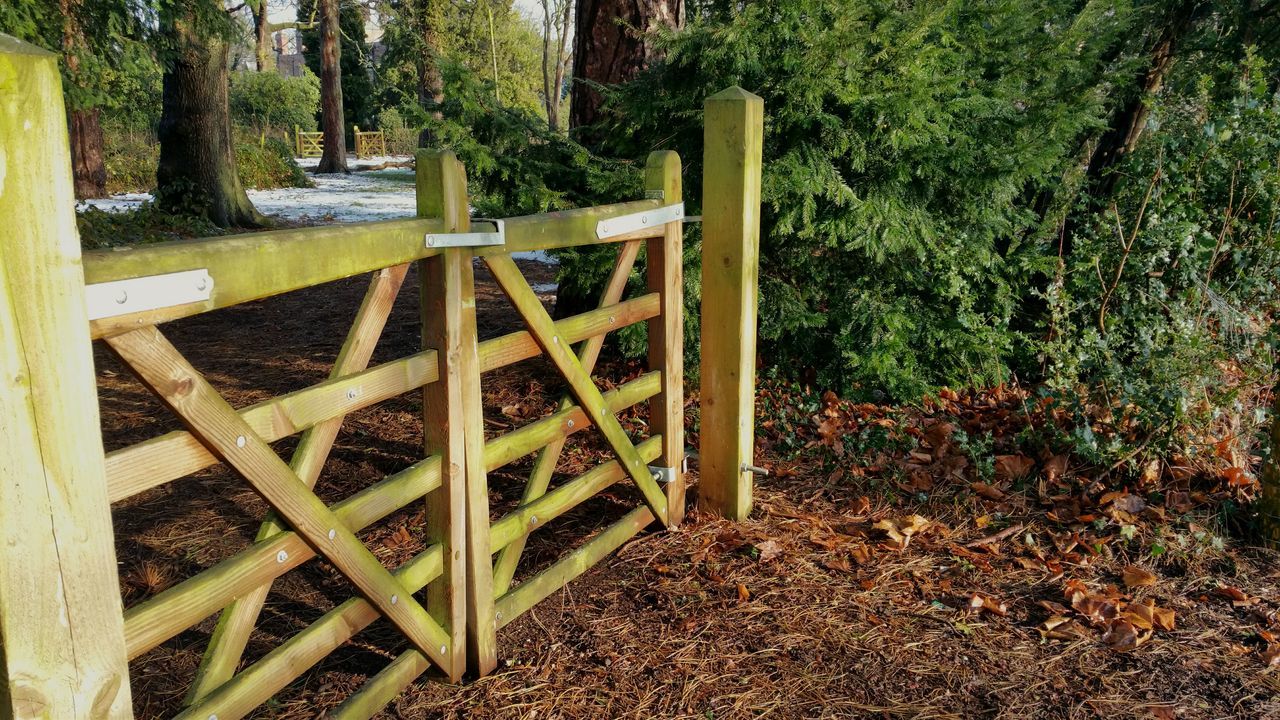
(130, 157)
(401, 138)
(264, 101)
(1161, 322)
(268, 164)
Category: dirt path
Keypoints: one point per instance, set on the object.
(810, 610)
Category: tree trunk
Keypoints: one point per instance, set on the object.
(87, 164)
(548, 99)
(197, 170)
(334, 159)
(430, 82)
(87, 167)
(263, 55)
(1268, 505)
(612, 46)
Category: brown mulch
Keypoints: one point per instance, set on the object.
(884, 580)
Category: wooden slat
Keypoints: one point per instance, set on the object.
(664, 274)
(504, 567)
(730, 266)
(442, 193)
(537, 588)
(159, 365)
(260, 681)
(152, 622)
(165, 458)
(515, 525)
(558, 351)
(252, 266)
(63, 650)
(231, 635)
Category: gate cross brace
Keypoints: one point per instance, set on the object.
(210, 418)
(542, 327)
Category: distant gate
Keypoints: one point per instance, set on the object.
(308, 144)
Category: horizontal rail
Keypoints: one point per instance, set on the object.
(162, 459)
(252, 266)
(257, 683)
(567, 228)
(564, 498)
(536, 589)
(154, 621)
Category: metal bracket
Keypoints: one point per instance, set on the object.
(122, 297)
(470, 239)
(624, 224)
(663, 475)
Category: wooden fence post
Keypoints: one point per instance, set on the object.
(733, 133)
(454, 422)
(664, 274)
(62, 651)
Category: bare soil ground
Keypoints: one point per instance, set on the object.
(887, 571)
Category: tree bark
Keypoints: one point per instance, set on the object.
(612, 45)
(87, 164)
(88, 169)
(197, 169)
(264, 56)
(430, 81)
(334, 159)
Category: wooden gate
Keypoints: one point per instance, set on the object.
(370, 143)
(308, 144)
(66, 635)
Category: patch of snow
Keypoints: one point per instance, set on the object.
(545, 287)
(355, 197)
(310, 163)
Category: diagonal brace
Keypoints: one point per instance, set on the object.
(542, 327)
(209, 417)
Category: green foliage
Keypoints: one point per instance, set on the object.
(268, 164)
(130, 158)
(1162, 316)
(902, 148)
(147, 224)
(265, 101)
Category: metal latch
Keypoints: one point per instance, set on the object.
(663, 475)
(624, 224)
(470, 239)
(122, 297)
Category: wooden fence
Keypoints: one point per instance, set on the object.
(66, 635)
(370, 143)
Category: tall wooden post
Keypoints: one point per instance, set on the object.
(733, 132)
(454, 424)
(664, 274)
(62, 652)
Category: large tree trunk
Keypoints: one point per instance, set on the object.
(334, 158)
(87, 165)
(430, 81)
(197, 170)
(612, 45)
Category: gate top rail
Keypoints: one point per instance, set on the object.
(252, 266)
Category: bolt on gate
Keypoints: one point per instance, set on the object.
(65, 637)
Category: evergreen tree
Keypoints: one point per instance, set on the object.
(358, 103)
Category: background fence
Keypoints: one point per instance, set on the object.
(66, 635)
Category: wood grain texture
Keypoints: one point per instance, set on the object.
(61, 628)
(664, 274)
(231, 634)
(163, 369)
(730, 264)
(504, 568)
(580, 384)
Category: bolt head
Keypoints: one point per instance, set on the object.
(332, 533)
(533, 519)
(122, 298)
(570, 423)
(282, 556)
(395, 599)
(444, 649)
(202, 283)
(240, 441)
(352, 393)
(613, 320)
(431, 240)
